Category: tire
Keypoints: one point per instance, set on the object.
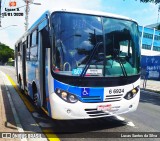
(35, 99)
(35, 96)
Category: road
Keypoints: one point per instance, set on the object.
(145, 119)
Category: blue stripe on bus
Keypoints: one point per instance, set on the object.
(85, 94)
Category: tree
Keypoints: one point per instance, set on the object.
(5, 53)
(158, 27)
(154, 1)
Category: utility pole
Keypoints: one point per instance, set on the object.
(158, 14)
(28, 2)
(0, 12)
(27, 12)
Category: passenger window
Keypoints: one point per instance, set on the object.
(34, 46)
(29, 41)
(28, 49)
(18, 47)
(34, 38)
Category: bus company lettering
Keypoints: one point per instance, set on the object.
(104, 107)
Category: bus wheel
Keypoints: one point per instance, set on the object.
(35, 99)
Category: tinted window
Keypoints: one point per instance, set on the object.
(110, 46)
(34, 38)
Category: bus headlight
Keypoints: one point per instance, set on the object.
(131, 94)
(66, 96)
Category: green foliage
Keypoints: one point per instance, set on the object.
(145, 1)
(158, 27)
(10, 59)
(5, 53)
(10, 62)
(154, 1)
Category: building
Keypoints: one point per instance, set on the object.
(150, 50)
(153, 25)
(150, 41)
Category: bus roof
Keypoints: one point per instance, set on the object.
(79, 11)
(91, 12)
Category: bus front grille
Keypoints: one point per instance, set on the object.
(113, 98)
(95, 113)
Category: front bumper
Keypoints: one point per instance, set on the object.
(63, 110)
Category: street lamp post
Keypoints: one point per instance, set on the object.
(28, 2)
(27, 13)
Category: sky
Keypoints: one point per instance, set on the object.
(143, 13)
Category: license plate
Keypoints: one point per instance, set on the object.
(104, 107)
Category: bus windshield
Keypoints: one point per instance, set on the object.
(88, 45)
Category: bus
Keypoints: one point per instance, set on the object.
(80, 64)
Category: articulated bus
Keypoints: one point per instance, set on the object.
(80, 64)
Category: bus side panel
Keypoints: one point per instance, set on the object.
(44, 66)
(42, 62)
(47, 77)
(24, 64)
(32, 67)
(16, 61)
(19, 59)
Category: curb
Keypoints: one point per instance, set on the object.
(46, 132)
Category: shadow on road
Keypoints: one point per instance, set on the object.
(83, 127)
(86, 125)
(9, 123)
(87, 128)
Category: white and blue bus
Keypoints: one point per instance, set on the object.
(78, 64)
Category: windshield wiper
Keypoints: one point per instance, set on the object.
(90, 59)
(122, 67)
(116, 52)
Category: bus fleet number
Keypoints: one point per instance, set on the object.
(116, 91)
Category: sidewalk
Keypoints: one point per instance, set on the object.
(152, 85)
(7, 122)
(15, 118)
